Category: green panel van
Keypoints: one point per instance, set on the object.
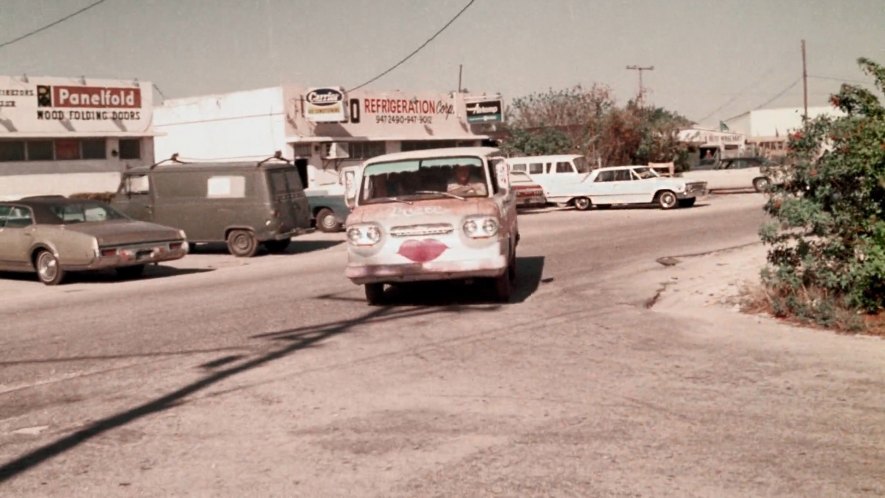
(245, 204)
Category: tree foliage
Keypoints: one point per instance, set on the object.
(589, 122)
(828, 235)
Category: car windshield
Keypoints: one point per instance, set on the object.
(81, 212)
(412, 179)
(644, 173)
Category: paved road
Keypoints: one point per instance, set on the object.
(270, 376)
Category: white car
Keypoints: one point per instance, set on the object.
(631, 185)
(733, 173)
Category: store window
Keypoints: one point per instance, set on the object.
(130, 149)
(40, 150)
(366, 150)
(67, 150)
(301, 150)
(12, 150)
(94, 149)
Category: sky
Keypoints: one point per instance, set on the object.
(712, 59)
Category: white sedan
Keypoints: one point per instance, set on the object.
(604, 187)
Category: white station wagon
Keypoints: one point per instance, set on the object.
(439, 214)
(632, 185)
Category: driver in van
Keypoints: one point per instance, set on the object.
(462, 184)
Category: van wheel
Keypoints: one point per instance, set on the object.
(48, 270)
(326, 221)
(130, 271)
(761, 184)
(374, 294)
(582, 203)
(242, 243)
(277, 246)
(667, 199)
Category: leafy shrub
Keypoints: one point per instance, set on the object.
(827, 238)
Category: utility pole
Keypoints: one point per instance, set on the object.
(641, 88)
(804, 84)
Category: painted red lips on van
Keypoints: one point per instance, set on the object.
(422, 251)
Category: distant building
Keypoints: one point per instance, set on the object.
(69, 135)
(706, 146)
(328, 128)
(769, 129)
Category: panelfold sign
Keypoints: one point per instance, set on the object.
(324, 105)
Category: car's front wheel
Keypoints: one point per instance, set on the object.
(48, 270)
(327, 222)
(242, 243)
(761, 184)
(582, 203)
(667, 199)
(375, 294)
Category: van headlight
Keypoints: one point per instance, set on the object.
(364, 234)
(480, 227)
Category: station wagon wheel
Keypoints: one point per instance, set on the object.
(761, 184)
(374, 294)
(667, 199)
(242, 243)
(326, 221)
(582, 203)
(48, 270)
(130, 271)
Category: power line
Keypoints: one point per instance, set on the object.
(63, 19)
(398, 64)
(779, 95)
(833, 78)
(755, 82)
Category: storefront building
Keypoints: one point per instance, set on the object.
(71, 135)
(329, 128)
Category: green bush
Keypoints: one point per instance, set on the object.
(827, 236)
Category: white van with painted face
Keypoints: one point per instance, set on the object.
(556, 174)
(438, 214)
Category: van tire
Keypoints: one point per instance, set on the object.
(326, 221)
(582, 203)
(374, 294)
(242, 243)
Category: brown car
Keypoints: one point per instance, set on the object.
(53, 235)
(528, 193)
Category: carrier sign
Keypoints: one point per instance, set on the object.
(324, 105)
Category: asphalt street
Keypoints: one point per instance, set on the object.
(270, 376)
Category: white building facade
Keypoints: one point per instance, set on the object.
(769, 129)
(71, 135)
(327, 127)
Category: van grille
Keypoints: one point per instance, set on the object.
(419, 230)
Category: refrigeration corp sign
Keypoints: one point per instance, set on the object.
(57, 104)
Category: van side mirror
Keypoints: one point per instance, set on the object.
(502, 175)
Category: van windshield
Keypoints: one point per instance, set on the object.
(420, 178)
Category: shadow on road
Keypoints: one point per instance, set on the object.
(107, 276)
(293, 340)
(296, 247)
(476, 291)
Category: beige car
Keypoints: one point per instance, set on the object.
(439, 214)
(53, 235)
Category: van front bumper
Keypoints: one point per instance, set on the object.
(416, 272)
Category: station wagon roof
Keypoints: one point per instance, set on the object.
(430, 153)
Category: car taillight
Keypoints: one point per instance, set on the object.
(175, 245)
(108, 252)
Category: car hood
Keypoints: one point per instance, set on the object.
(117, 232)
(423, 211)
